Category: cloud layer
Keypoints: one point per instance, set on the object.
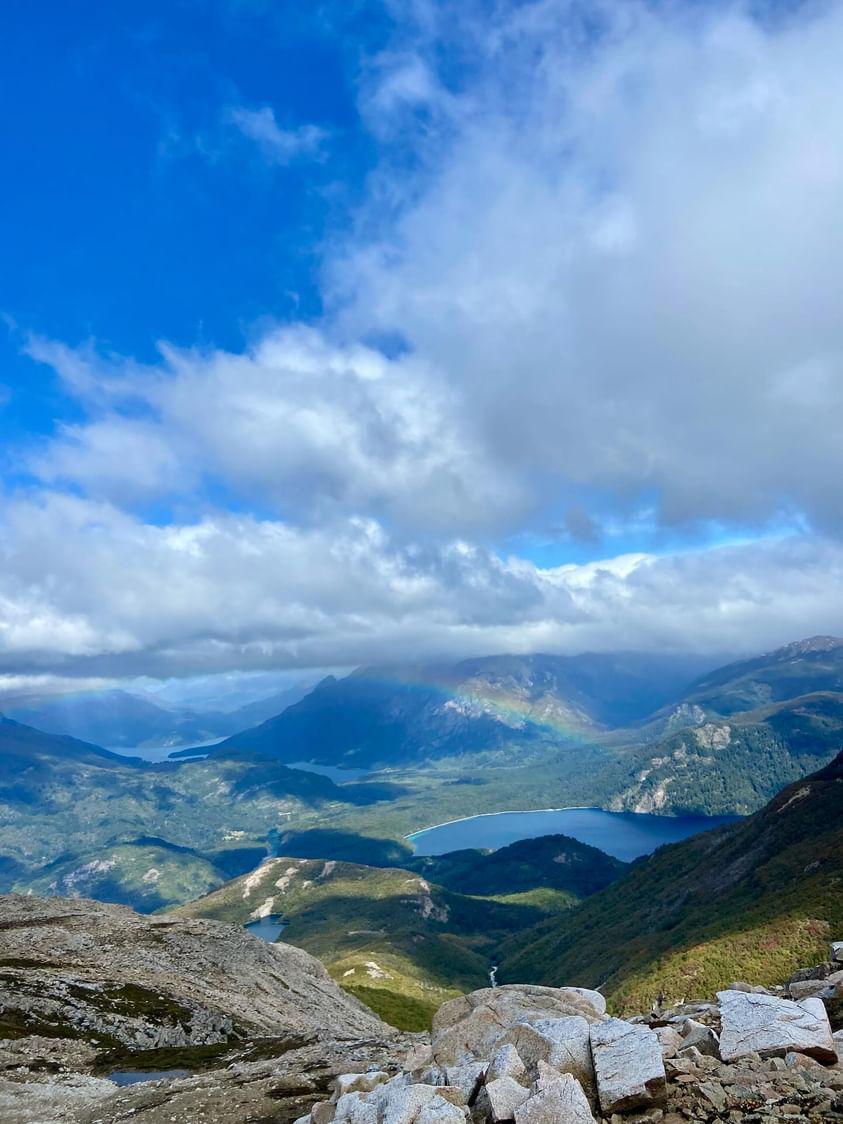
(118, 596)
(594, 285)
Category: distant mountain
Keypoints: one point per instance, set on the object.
(755, 899)
(740, 733)
(260, 710)
(117, 718)
(382, 716)
(802, 668)
(121, 719)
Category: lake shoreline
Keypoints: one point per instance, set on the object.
(625, 835)
(519, 812)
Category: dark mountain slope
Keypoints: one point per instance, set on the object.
(27, 754)
(381, 716)
(802, 668)
(754, 899)
(553, 862)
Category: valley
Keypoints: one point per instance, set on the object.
(402, 929)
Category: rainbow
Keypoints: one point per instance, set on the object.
(506, 707)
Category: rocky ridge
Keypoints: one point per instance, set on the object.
(271, 1039)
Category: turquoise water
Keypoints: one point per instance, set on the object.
(267, 928)
(626, 835)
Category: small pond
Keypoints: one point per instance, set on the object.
(267, 928)
(135, 1076)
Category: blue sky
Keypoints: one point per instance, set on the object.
(356, 331)
(133, 213)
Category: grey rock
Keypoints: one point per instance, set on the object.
(352, 1108)
(713, 1093)
(506, 1063)
(818, 972)
(544, 1074)
(837, 952)
(503, 1096)
(418, 1058)
(670, 1040)
(467, 1078)
(149, 982)
(809, 989)
(628, 1066)
(440, 1111)
(471, 1027)
(402, 1104)
(767, 1025)
(323, 1112)
(701, 1037)
(752, 989)
(562, 1043)
(559, 1101)
(594, 998)
(451, 1094)
(358, 1083)
(432, 1075)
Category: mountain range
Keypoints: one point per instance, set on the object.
(124, 719)
(622, 732)
(386, 716)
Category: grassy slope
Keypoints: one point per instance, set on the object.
(402, 945)
(756, 899)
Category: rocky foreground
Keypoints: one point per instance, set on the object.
(259, 1033)
(536, 1055)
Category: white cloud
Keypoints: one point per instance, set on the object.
(279, 146)
(614, 259)
(122, 598)
(625, 248)
(309, 427)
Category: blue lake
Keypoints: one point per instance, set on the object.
(135, 1076)
(267, 928)
(332, 772)
(626, 835)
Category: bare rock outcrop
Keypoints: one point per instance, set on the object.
(472, 1026)
(772, 1027)
(628, 1066)
(96, 970)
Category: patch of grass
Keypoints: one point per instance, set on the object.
(542, 898)
(401, 1011)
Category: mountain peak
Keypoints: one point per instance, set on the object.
(811, 644)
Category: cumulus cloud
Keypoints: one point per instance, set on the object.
(122, 597)
(308, 426)
(606, 238)
(626, 249)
